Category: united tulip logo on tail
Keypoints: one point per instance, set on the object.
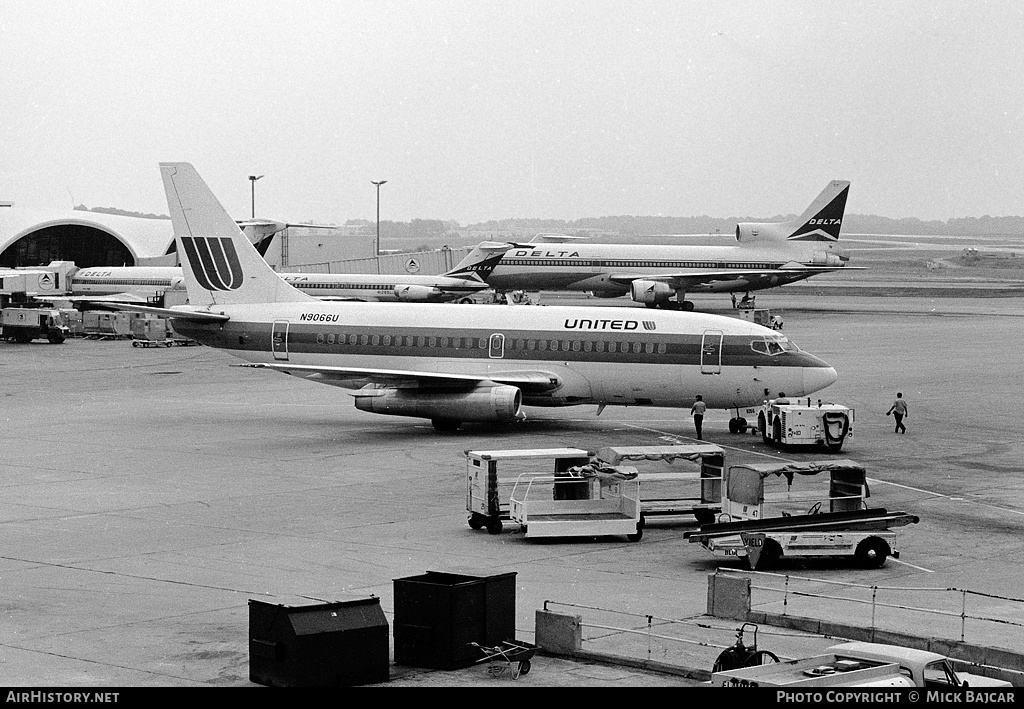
(214, 262)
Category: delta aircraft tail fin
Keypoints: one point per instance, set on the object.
(479, 263)
(821, 221)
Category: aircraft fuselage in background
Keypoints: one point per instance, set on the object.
(148, 282)
(601, 268)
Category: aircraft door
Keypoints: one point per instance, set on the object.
(711, 352)
(496, 350)
(279, 340)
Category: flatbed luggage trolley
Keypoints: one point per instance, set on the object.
(489, 485)
(593, 500)
(671, 486)
(515, 655)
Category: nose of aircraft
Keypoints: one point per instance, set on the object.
(816, 378)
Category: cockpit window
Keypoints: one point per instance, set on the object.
(774, 345)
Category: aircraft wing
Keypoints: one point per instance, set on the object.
(175, 313)
(530, 380)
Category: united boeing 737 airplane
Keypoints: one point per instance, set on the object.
(768, 255)
(461, 363)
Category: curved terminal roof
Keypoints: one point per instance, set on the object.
(35, 237)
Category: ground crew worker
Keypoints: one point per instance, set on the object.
(697, 410)
(899, 412)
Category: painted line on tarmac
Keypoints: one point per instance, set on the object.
(919, 568)
(951, 498)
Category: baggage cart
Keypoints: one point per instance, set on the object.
(489, 484)
(675, 481)
(589, 501)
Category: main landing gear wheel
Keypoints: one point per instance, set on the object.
(738, 425)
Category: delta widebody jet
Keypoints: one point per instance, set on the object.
(460, 363)
(766, 255)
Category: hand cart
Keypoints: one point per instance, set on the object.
(515, 655)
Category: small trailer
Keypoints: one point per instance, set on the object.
(798, 422)
(680, 480)
(593, 500)
(763, 523)
(488, 485)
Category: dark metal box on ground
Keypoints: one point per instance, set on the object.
(337, 644)
(438, 615)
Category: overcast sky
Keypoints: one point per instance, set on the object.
(475, 110)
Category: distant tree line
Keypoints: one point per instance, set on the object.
(433, 230)
(121, 212)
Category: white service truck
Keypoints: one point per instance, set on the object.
(859, 664)
(799, 422)
(27, 324)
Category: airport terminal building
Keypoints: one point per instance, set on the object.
(31, 237)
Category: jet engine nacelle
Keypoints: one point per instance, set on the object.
(651, 291)
(416, 292)
(747, 232)
(824, 258)
(496, 403)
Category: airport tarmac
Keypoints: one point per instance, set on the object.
(148, 494)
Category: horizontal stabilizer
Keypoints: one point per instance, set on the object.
(174, 313)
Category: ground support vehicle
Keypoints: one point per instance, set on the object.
(925, 669)
(762, 523)
(590, 501)
(675, 481)
(817, 672)
(798, 422)
(759, 316)
(488, 485)
(27, 324)
(858, 664)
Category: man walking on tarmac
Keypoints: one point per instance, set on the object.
(899, 411)
(697, 410)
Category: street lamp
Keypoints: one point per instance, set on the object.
(252, 179)
(376, 246)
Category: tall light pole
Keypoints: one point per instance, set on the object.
(252, 179)
(376, 246)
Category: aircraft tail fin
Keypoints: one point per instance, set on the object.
(479, 263)
(220, 264)
(822, 221)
